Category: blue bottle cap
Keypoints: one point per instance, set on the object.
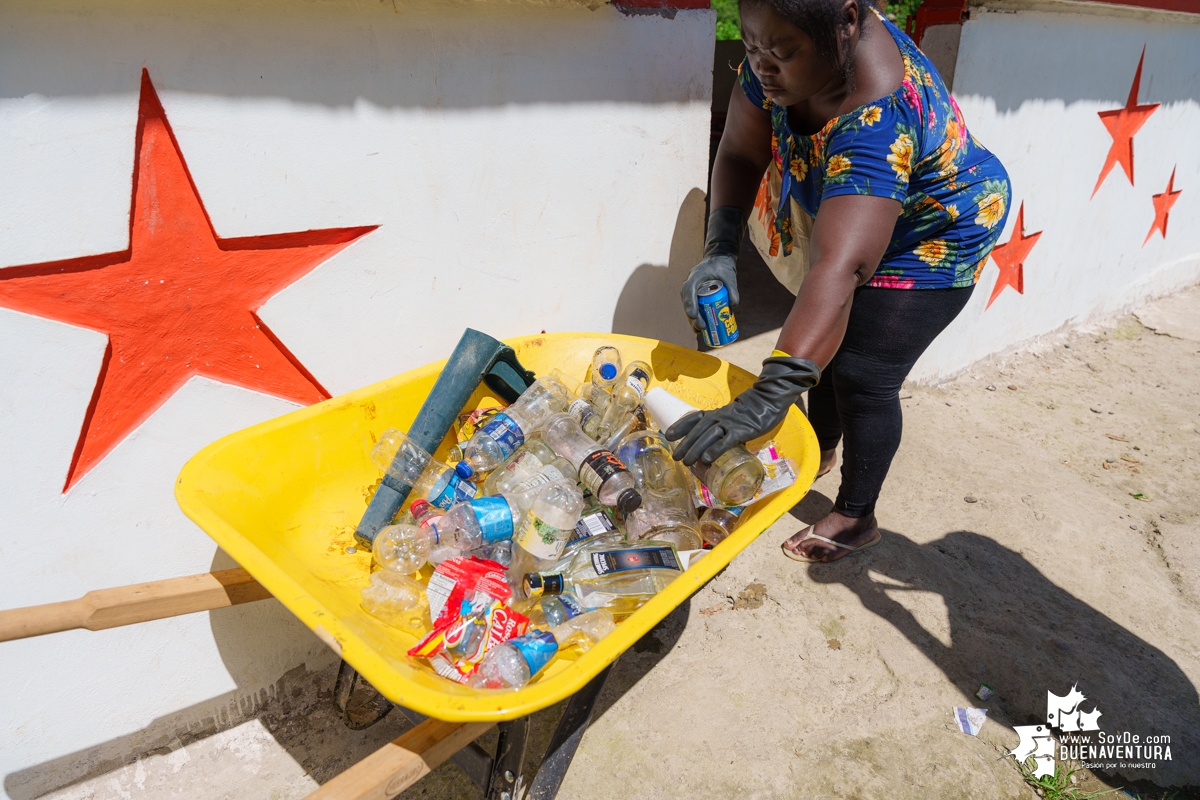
(608, 371)
(464, 470)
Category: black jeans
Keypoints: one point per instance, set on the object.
(858, 398)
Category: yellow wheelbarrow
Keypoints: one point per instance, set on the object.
(284, 499)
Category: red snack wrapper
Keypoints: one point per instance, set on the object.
(457, 580)
(456, 647)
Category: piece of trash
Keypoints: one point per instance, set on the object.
(985, 692)
(990, 388)
(1116, 438)
(1140, 496)
(971, 499)
(1133, 527)
(1096, 410)
(833, 644)
(970, 720)
(708, 612)
(1012, 386)
(1110, 461)
(351, 550)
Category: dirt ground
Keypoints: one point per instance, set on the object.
(1040, 527)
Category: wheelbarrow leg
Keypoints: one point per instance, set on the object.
(574, 722)
(510, 755)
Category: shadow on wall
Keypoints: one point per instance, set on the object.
(1076, 57)
(340, 54)
(649, 304)
(1014, 628)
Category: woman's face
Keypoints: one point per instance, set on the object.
(784, 58)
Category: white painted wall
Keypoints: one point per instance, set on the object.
(1030, 84)
(523, 161)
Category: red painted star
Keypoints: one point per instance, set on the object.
(1122, 124)
(179, 301)
(1162, 208)
(1010, 258)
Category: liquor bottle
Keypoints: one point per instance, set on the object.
(619, 577)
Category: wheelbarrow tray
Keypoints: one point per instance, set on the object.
(283, 498)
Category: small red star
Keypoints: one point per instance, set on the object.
(1162, 208)
(1010, 258)
(1122, 124)
(180, 301)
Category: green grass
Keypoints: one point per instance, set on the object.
(729, 24)
(1058, 786)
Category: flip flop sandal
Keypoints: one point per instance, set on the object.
(795, 556)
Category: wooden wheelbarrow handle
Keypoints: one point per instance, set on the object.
(141, 602)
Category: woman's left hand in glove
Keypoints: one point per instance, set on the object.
(708, 434)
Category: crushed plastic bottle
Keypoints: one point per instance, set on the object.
(582, 631)
(506, 431)
(524, 463)
(601, 472)
(485, 520)
(518, 661)
(401, 459)
(443, 486)
(403, 549)
(398, 600)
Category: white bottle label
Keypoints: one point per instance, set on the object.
(540, 539)
(637, 381)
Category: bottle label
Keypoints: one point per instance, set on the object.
(505, 431)
(570, 605)
(495, 518)
(638, 380)
(539, 538)
(582, 411)
(590, 525)
(596, 469)
(642, 558)
(536, 648)
(458, 490)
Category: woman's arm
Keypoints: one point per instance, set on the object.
(743, 155)
(849, 237)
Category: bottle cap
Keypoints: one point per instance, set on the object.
(419, 507)
(464, 470)
(542, 583)
(608, 371)
(629, 502)
(666, 408)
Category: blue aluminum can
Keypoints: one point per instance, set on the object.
(720, 328)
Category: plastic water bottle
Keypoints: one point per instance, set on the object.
(513, 664)
(582, 631)
(398, 600)
(443, 486)
(402, 459)
(545, 529)
(403, 549)
(627, 394)
(599, 470)
(485, 520)
(620, 577)
(524, 463)
(553, 610)
(506, 431)
(735, 477)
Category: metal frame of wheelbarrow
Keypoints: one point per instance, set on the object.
(386, 772)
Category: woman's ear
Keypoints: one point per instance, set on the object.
(851, 18)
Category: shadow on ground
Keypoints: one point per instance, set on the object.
(1012, 627)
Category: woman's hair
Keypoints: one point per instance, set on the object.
(821, 20)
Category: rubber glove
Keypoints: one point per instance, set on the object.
(754, 412)
(720, 261)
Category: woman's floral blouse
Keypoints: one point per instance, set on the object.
(911, 146)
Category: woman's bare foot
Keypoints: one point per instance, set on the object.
(828, 461)
(850, 531)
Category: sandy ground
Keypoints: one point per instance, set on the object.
(1040, 530)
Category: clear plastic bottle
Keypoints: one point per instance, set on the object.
(620, 578)
(735, 477)
(398, 600)
(513, 664)
(401, 459)
(545, 530)
(485, 520)
(599, 470)
(443, 486)
(606, 366)
(717, 523)
(553, 610)
(582, 631)
(402, 548)
(627, 394)
(506, 431)
(524, 463)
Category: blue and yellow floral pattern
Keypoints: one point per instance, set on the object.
(912, 146)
